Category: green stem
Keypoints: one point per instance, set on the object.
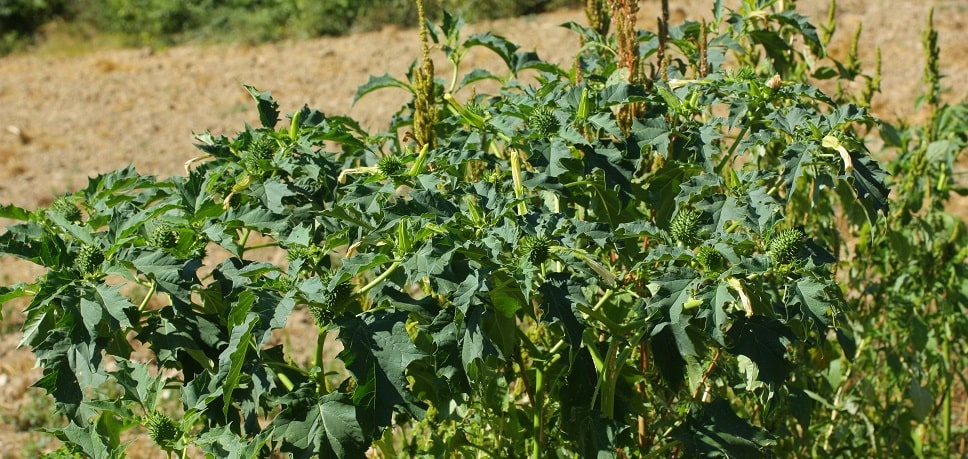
(262, 246)
(518, 181)
(732, 148)
(538, 416)
(418, 164)
(946, 406)
(321, 383)
(243, 241)
(453, 76)
(382, 277)
(609, 378)
(152, 288)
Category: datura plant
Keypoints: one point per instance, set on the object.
(505, 274)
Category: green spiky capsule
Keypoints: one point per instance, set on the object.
(476, 109)
(89, 259)
(162, 430)
(536, 248)
(709, 258)
(162, 237)
(324, 311)
(67, 209)
(390, 166)
(263, 148)
(198, 250)
(253, 164)
(299, 252)
(785, 246)
(685, 227)
(543, 122)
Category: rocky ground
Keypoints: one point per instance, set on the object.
(67, 117)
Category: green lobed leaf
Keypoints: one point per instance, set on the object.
(500, 45)
(377, 351)
(379, 82)
(714, 430)
(324, 427)
(222, 442)
(268, 107)
(819, 298)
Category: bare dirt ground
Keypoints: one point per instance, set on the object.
(65, 118)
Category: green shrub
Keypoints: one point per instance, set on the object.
(517, 294)
(20, 20)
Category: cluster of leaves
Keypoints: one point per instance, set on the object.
(545, 278)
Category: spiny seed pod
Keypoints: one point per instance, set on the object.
(253, 164)
(709, 258)
(685, 227)
(299, 252)
(390, 166)
(323, 311)
(66, 207)
(745, 74)
(89, 259)
(162, 237)
(199, 249)
(263, 148)
(476, 109)
(542, 121)
(162, 430)
(536, 247)
(785, 246)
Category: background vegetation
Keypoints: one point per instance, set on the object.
(165, 22)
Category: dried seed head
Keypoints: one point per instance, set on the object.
(774, 82)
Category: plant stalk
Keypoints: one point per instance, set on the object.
(152, 288)
(322, 386)
(538, 414)
(382, 277)
(946, 402)
(518, 180)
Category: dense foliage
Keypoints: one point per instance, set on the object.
(165, 22)
(676, 247)
(20, 19)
